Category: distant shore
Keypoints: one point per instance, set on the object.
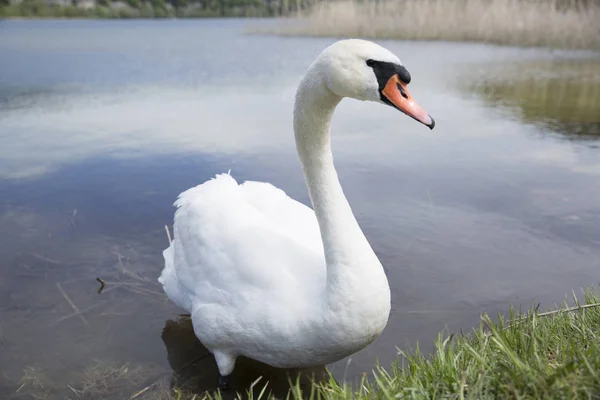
(571, 24)
(132, 9)
(131, 13)
(567, 24)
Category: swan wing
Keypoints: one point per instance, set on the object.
(241, 246)
(292, 218)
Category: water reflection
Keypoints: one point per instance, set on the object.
(195, 370)
(562, 95)
(60, 129)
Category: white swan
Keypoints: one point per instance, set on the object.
(263, 275)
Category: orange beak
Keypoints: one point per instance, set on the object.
(397, 95)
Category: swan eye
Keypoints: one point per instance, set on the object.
(370, 62)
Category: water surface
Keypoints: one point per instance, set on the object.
(103, 123)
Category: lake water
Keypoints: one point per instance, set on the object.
(104, 123)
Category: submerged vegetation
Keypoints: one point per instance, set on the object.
(553, 23)
(561, 95)
(551, 355)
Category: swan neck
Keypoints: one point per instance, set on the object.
(356, 287)
(343, 241)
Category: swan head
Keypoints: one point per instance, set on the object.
(366, 71)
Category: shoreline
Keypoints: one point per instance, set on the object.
(544, 23)
(528, 355)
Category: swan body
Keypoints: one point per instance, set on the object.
(265, 276)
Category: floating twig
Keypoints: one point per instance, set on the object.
(72, 304)
(431, 205)
(115, 313)
(77, 313)
(152, 292)
(148, 291)
(515, 322)
(73, 218)
(77, 392)
(141, 391)
(110, 283)
(168, 234)
(574, 308)
(101, 285)
(125, 270)
(48, 260)
(78, 279)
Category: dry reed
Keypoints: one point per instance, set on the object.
(551, 23)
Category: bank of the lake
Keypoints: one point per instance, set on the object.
(40, 9)
(144, 9)
(549, 23)
(533, 355)
(568, 24)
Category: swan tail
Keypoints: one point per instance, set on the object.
(214, 187)
(170, 283)
(193, 210)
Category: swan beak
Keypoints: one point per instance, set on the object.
(398, 96)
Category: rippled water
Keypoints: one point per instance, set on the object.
(103, 123)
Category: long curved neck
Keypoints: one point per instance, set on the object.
(348, 255)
